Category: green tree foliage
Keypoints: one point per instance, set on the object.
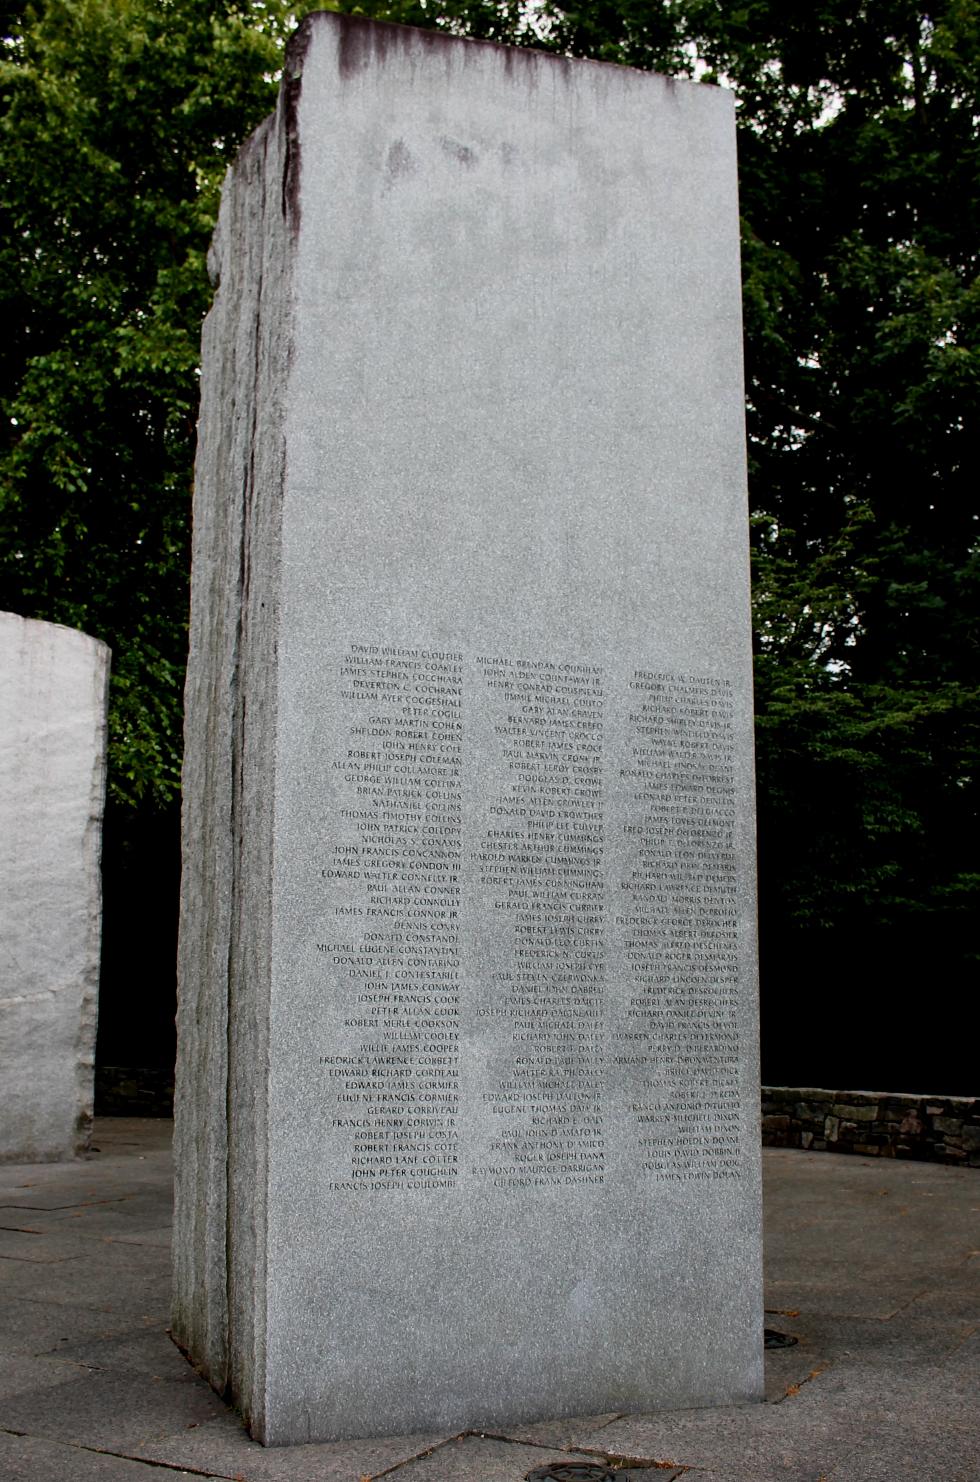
(859, 160)
(859, 185)
(118, 120)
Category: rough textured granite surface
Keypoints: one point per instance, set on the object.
(53, 690)
(467, 1104)
(223, 958)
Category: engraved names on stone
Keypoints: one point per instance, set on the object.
(550, 1032)
(677, 1041)
(394, 954)
(540, 862)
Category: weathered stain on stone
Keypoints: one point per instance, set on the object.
(292, 85)
(399, 161)
(461, 152)
(363, 43)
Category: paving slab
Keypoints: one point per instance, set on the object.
(27, 1244)
(50, 1197)
(122, 1292)
(149, 1209)
(904, 1254)
(901, 1452)
(846, 1296)
(810, 1472)
(752, 1438)
(30, 1459)
(789, 1368)
(564, 1432)
(868, 1393)
(221, 1448)
(967, 1353)
(964, 1277)
(906, 1338)
(160, 1236)
(120, 1180)
(491, 1460)
(108, 1411)
(20, 1372)
(144, 1351)
(32, 1327)
(883, 1382)
(147, 1133)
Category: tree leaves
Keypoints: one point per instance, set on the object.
(859, 161)
(119, 119)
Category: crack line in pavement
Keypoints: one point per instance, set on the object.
(611, 1421)
(545, 1445)
(874, 1316)
(613, 1458)
(42, 1260)
(81, 1307)
(515, 1440)
(77, 1204)
(964, 1337)
(637, 1463)
(792, 1390)
(416, 1456)
(903, 1306)
(168, 1466)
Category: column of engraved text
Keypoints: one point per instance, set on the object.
(677, 927)
(395, 950)
(540, 865)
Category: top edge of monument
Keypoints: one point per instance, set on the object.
(363, 43)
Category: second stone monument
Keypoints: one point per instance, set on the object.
(467, 1119)
(54, 684)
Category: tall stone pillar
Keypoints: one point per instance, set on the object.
(467, 1118)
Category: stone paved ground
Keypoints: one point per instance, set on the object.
(875, 1266)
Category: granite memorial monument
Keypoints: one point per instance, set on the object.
(467, 1109)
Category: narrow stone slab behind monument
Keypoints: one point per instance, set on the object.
(53, 695)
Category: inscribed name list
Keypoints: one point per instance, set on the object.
(598, 900)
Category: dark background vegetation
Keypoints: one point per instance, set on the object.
(859, 173)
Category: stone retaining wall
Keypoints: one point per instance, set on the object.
(935, 1129)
